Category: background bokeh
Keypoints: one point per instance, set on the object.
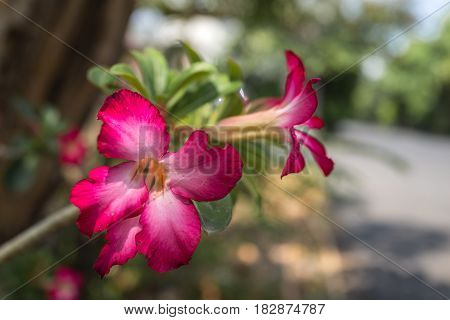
(385, 98)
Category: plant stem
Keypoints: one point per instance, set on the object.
(30, 236)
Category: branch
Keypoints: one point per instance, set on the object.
(30, 236)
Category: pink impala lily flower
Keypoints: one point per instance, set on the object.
(145, 203)
(293, 113)
(66, 284)
(72, 148)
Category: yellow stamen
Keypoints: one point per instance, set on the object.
(154, 173)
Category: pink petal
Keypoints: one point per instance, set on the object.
(318, 151)
(314, 123)
(66, 284)
(108, 195)
(293, 61)
(294, 85)
(120, 245)
(300, 109)
(70, 135)
(132, 127)
(296, 106)
(171, 231)
(295, 161)
(72, 149)
(262, 104)
(296, 76)
(201, 173)
(272, 102)
(259, 118)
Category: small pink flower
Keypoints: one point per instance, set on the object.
(66, 284)
(146, 201)
(294, 113)
(71, 148)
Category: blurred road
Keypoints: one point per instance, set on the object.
(391, 188)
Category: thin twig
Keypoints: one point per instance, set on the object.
(23, 240)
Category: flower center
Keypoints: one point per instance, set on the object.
(154, 173)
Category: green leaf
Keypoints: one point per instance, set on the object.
(102, 79)
(124, 71)
(193, 55)
(215, 215)
(186, 77)
(226, 88)
(194, 99)
(198, 96)
(232, 105)
(154, 69)
(234, 70)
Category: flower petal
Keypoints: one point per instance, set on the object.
(72, 149)
(201, 173)
(108, 195)
(295, 161)
(293, 61)
(294, 85)
(132, 128)
(317, 150)
(66, 284)
(171, 231)
(257, 119)
(296, 76)
(299, 109)
(262, 104)
(314, 123)
(120, 245)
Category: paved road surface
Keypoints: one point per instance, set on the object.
(391, 188)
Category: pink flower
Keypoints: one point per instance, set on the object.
(66, 284)
(71, 148)
(293, 113)
(146, 201)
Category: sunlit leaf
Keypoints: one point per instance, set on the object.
(102, 79)
(154, 69)
(193, 55)
(124, 71)
(234, 70)
(195, 98)
(207, 92)
(231, 105)
(195, 72)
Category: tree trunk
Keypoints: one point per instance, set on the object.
(39, 67)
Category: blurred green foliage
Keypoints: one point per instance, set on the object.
(331, 36)
(415, 90)
(26, 149)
